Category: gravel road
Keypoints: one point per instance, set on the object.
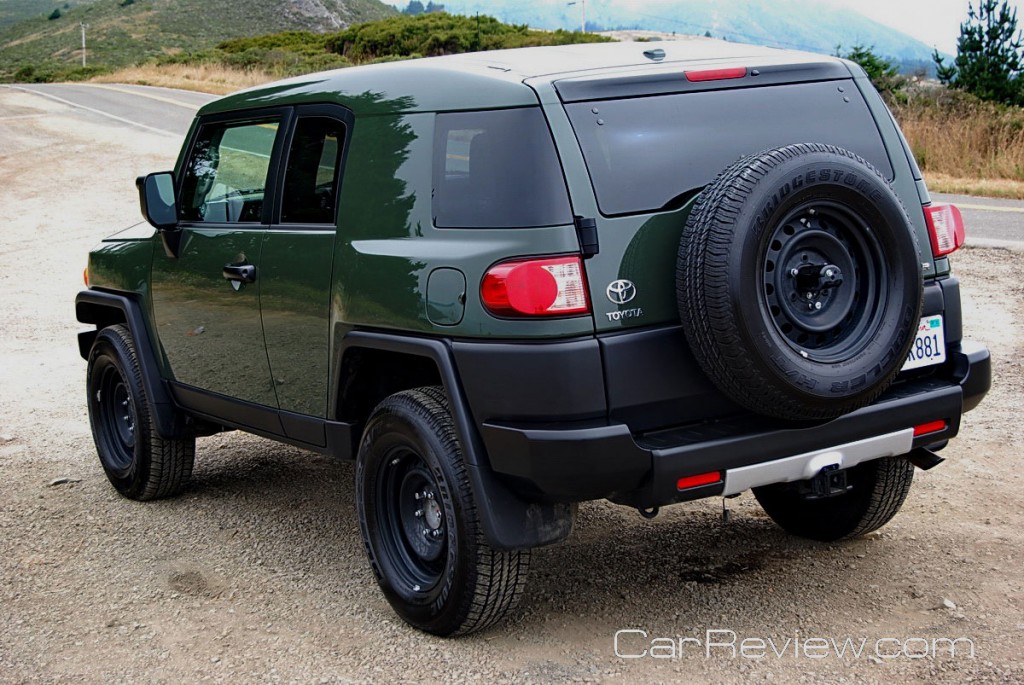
(257, 574)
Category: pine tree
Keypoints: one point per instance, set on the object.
(988, 54)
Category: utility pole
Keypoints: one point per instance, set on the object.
(583, 13)
(84, 27)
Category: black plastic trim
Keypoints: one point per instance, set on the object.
(318, 435)
(508, 520)
(89, 305)
(519, 381)
(666, 82)
(574, 462)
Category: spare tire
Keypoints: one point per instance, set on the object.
(799, 282)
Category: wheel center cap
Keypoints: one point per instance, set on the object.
(432, 514)
(815, 277)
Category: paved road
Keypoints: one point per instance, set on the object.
(163, 110)
(989, 221)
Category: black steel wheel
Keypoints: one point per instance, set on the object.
(136, 460)
(417, 515)
(799, 282)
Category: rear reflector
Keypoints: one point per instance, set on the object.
(698, 480)
(536, 287)
(946, 228)
(715, 74)
(930, 427)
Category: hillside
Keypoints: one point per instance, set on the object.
(13, 11)
(799, 24)
(122, 32)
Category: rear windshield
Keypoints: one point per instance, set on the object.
(497, 169)
(643, 153)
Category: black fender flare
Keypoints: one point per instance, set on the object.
(509, 522)
(102, 309)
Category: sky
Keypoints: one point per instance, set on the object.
(934, 22)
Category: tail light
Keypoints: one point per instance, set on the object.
(946, 228)
(536, 287)
(715, 74)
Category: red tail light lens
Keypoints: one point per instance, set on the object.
(946, 228)
(930, 427)
(715, 74)
(536, 287)
(698, 480)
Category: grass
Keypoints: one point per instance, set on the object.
(983, 187)
(205, 78)
(123, 33)
(964, 145)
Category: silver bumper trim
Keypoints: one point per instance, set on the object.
(804, 466)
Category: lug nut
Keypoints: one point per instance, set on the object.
(793, 272)
(418, 513)
(817, 305)
(436, 533)
(809, 296)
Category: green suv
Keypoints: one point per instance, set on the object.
(508, 282)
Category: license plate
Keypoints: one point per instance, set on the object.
(929, 345)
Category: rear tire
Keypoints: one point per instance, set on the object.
(419, 523)
(878, 490)
(138, 462)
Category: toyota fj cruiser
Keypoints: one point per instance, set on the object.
(508, 282)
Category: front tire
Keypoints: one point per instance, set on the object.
(878, 489)
(136, 460)
(417, 515)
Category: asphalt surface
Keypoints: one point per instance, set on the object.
(159, 110)
(990, 222)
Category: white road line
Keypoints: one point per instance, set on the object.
(95, 111)
(142, 94)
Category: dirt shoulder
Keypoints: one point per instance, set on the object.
(257, 571)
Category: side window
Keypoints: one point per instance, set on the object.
(311, 179)
(226, 176)
(497, 169)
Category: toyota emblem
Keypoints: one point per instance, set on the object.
(621, 292)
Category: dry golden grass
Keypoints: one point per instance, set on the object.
(964, 143)
(985, 187)
(205, 78)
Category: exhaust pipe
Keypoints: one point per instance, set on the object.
(924, 459)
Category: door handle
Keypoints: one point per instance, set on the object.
(243, 273)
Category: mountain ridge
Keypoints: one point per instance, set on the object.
(797, 24)
(123, 32)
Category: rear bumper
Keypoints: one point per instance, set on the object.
(592, 460)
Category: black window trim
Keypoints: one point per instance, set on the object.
(284, 117)
(325, 110)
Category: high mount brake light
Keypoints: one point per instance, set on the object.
(946, 228)
(536, 287)
(715, 74)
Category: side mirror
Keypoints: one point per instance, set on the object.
(156, 196)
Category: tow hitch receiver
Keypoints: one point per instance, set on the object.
(830, 482)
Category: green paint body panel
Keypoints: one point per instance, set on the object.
(211, 333)
(295, 298)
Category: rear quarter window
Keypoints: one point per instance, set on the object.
(497, 169)
(645, 152)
